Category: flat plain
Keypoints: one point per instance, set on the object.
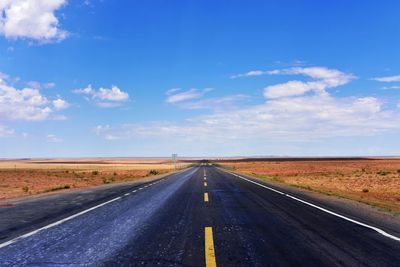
(374, 181)
(20, 178)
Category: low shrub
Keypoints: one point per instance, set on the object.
(153, 172)
(108, 180)
(383, 173)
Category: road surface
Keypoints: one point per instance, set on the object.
(203, 216)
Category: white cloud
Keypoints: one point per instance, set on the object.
(60, 104)
(104, 97)
(395, 78)
(193, 93)
(25, 104)
(296, 118)
(323, 78)
(51, 138)
(32, 19)
(113, 94)
(305, 117)
(291, 88)
(5, 131)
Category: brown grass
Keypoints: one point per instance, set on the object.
(373, 181)
(27, 177)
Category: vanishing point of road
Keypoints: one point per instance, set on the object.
(203, 216)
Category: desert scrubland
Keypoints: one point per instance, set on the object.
(372, 181)
(27, 177)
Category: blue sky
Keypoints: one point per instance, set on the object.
(199, 78)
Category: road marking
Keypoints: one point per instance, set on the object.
(7, 243)
(209, 248)
(205, 178)
(140, 188)
(205, 183)
(127, 194)
(380, 231)
(55, 223)
(205, 197)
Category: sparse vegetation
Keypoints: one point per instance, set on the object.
(108, 180)
(33, 177)
(153, 172)
(351, 179)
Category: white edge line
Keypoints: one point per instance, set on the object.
(380, 231)
(55, 223)
(7, 243)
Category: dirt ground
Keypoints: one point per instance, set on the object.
(372, 181)
(27, 177)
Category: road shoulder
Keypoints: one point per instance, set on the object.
(349, 208)
(29, 213)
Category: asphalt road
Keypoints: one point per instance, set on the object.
(202, 216)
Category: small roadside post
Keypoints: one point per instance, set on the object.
(174, 157)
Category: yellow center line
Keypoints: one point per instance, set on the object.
(205, 183)
(209, 248)
(205, 197)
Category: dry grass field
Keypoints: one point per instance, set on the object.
(26, 177)
(372, 181)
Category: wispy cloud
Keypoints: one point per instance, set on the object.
(38, 85)
(229, 102)
(176, 95)
(323, 78)
(5, 131)
(252, 73)
(32, 19)
(51, 138)
(314, 116)
(394, 87)
(305, 118)
(395, 78)
(104, 97)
